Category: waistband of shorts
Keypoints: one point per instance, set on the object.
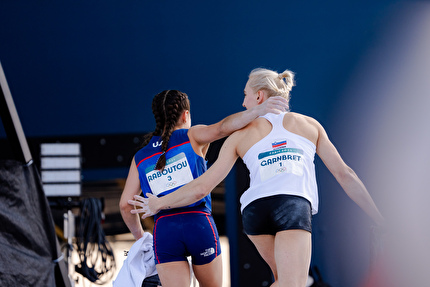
(202, 208)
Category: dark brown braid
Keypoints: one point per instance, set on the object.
(175, 102)
(157, 104)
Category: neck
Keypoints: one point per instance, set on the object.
(181, 126)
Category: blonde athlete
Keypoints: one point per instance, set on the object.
(173, 155)
(279, 152)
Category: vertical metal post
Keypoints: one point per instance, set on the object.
(11, 122)
(19, 145)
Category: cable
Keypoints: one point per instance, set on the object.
(97, 261)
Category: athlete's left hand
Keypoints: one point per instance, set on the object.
(147, 206)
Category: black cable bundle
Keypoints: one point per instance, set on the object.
(97, 262)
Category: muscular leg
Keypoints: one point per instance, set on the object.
(293, 256)
(288, 255)
(265, 245)
(209, 275)
(174, 274)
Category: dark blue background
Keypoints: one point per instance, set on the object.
(79, 67)
(92, 67)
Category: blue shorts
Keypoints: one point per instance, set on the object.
(269, 215)
(186, 232)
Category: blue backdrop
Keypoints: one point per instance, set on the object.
(85, 67)
(92, 67)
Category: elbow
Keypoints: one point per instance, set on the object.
(345, 175)
(124, 207)
(226, 128)
(223, 130)
(199, 195)
(201, 192)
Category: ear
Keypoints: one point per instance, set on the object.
(261, 96)
(184, 115)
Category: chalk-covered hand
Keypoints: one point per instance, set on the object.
(274, 105)
(147, 206)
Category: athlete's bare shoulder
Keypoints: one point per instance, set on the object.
(246, 137)
(302, 125)
(300, 117)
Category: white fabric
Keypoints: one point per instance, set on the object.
(138, 265)
(281, 163)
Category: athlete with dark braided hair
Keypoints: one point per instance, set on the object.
(279, 151)
(172, 156)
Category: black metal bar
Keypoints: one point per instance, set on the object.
(11, 122)
(19, 146)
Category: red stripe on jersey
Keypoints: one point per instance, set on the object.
(161, 152)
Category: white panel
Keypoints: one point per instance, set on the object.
(60, 162)
(60, 149)
(61, 176)
(62, 189)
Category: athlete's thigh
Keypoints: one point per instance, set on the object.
(265, 245)
(293, 256)
(167, 240)
(174, 274)
(210, 274)
(201, 238)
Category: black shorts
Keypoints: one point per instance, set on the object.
(269, 215)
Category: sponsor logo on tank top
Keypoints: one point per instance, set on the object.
(157, 143)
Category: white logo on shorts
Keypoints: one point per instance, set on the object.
(208, 252)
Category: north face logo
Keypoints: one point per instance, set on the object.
(208, 252)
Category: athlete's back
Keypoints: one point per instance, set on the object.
(298, 124)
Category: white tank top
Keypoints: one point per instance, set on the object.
(281, 163)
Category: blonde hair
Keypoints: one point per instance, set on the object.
(273, 83)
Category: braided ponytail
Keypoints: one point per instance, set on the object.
(173, 104)
(158, 116)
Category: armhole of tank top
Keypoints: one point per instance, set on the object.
(280, 121)
(302, 138)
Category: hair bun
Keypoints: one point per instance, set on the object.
(289, 78)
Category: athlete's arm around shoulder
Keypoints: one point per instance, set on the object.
(346, 177)
(201, 135)
(196, 189)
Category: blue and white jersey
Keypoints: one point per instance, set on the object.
(182, 166)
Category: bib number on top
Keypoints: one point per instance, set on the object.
(284, 160)
(176, 173)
